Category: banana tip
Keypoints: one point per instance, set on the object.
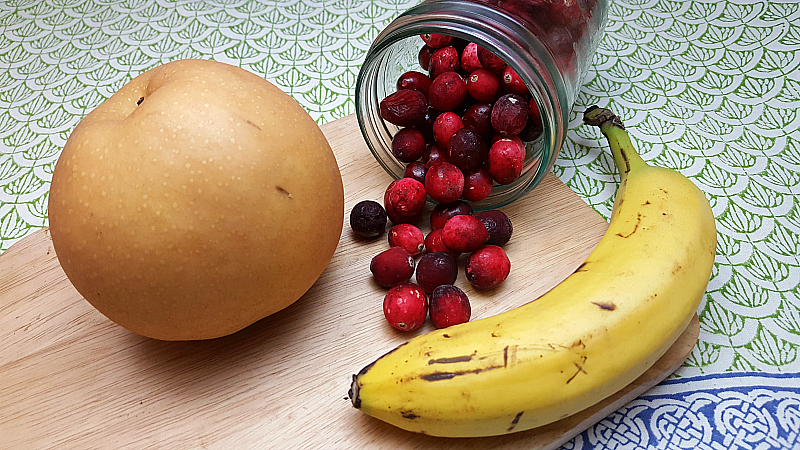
(352, 393)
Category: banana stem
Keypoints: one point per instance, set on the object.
(626, 157)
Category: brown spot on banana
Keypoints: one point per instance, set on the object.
(453, 359)
(635, 227)
(515, 421)
(607, 306)
(580, 369)
(409, 415)
(440, 376)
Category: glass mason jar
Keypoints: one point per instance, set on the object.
(549, 43)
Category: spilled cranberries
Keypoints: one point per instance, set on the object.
(392, 266)
(407, 236)
(449, 306)
(435, 269)
(487, 267)
(405, 306)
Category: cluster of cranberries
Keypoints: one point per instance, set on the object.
(455, 231)
(464, 123)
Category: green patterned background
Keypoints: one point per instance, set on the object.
(711, 88)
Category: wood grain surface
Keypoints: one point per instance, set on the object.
(70, 378)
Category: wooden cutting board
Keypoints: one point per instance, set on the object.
(70, 378)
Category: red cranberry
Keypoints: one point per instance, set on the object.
(445, 125)
(483, 85)
(449, 306)
(368, 219)
(408, 144)
(405, 306)
(509, 114)
(498, 225)
(443, 60)
(433, 244)
(416, 170)
(479, 118)
(506, 158)
(512, 83)
(469, 58)
(414, 80)
(433, 154)
(487, 267)
(444, 182)
(464, 234)
(406, 107)
(534, 127)
(436, 269)
(478, 185)
(405, 197)
(392, 266)
(436, 40)
(490, 61)
(447, 91)
(407, 236)
(514, 138)
(467, 149)
(424, 56)
(445, 211)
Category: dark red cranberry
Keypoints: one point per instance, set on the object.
(469, 58)
(512, 83)
(487, 267)
(426, 125)
(434, 154)
(444, 182)
(447, 91)
(436, 269)
(490, 61)
(405, 306)
(506, 158)
(414, 80)
(424, 56)
(407, 236)
(416, 170)
(464, 234)
(444, 126)
(498, 225)
(433, 244)
(483, 85)
(396, 217)
(445, 211)
(408, 144)
(443, 60)
(530, 132)
(478, 185)
(509, 114)
(368, 219)
(436, 40)
(405, 197)
(405, 108)
(467, 149)
(392, 266)
(479, 118)
(449, 306)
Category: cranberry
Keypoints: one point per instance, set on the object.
(512, 83)
(368, 219)
(447, 91)
(392, 266)
(433, 154)
(510, 114)
(464, 233)
(405, 306)
(514, 138)
(426, 125)
(407, 236)
(469, 58)
(487, 267)
(405, 197)
(445, 211)
(490, 61)
(414, 80)
(405, 108)
(416, 170)
(483, 85)
(436, 269)
(408, 144)
(433, 244)
(449, 306)
(424, 56)
(498, 225)
(506, 158)
(467, 149)
(477, 185)
(444, 182)
(531, 131)
(479, 118)
(443, 60)
(396, 217)
(445, 125)
(436, 40)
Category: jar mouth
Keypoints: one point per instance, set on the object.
(497, 32)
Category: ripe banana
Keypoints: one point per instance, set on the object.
(579, 343)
